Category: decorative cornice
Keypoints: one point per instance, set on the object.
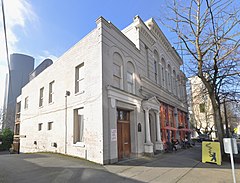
(113, 27)
(138, 23)
(147, 35)
(157, 32)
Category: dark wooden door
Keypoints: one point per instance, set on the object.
(123, 131)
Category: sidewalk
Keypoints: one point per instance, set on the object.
(183, 166)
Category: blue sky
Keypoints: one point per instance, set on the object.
(48, 28)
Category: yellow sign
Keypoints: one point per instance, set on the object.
(211, 152)
(235, 130)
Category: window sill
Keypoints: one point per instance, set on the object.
(79, 93)
(50, 103)
(79, 144)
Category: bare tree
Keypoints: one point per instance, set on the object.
(209, 33)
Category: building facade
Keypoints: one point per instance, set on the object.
(20, 67)
(201, 112)
(114, 95)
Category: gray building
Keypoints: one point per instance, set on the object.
(20, 67)
(45, 63)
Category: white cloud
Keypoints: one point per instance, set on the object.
(17, 13)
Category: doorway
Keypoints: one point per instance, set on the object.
(123, 134)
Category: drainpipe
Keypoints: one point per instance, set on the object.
(65, 143)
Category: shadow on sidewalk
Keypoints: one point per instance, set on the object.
(183, 158)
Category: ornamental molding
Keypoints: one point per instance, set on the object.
(139, 24)
(157, 32)
(151, 103)
(120, 95)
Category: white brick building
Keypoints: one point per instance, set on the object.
(201, 111)
(117, 81)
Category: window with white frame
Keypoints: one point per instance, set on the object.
(163, 72)
(78, 126)
(147, 59)
(41, 97)
(169, 78)
(156, 66)
(178, 86)
(117, 71)
(79, 78)
(26, 103)
(155, 71)
(174, 82)
(130, 82)
(130, 78)
(51, 92)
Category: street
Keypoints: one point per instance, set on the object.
(180, 166)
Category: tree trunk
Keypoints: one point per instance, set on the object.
(217, 121)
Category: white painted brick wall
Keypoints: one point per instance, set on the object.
(63, 73)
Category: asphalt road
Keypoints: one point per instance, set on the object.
(54, 168)
(182, 166)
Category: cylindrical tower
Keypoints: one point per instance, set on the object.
(20, 68)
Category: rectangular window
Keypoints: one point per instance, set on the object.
(18, 111)
(147, 59)
(17, 129)
(51, 92)
(130, 82)
(117, 75)
(79, 77)
(26, 103)
(123, 115)
(41, 97)
(163, 80)
(155, 70)
(50, 124)
(78, 125)
(202, 107)
(39, 126)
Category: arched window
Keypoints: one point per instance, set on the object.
(156, 65)
(178, 86)
(163, 72)
(174, 83)
(169, 79)
(130, 78)
(117, 70)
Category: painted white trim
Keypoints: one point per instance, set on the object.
(79, 144)
(123, 96)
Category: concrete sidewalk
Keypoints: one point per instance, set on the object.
(182, 166)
